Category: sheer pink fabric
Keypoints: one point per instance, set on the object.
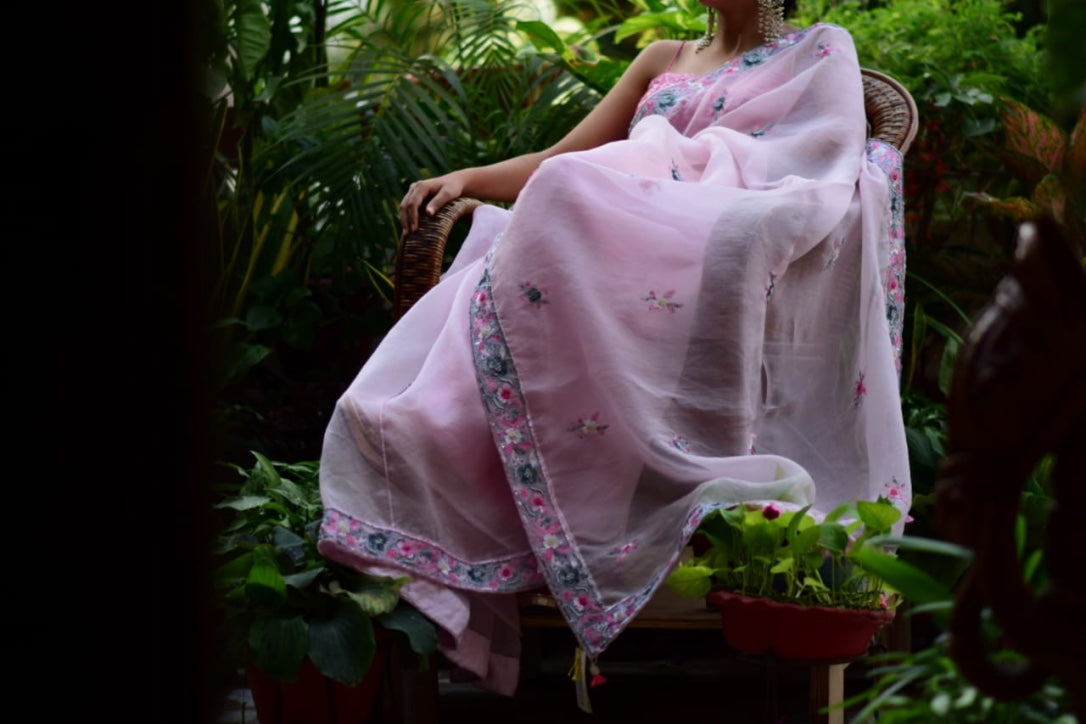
(706, 313)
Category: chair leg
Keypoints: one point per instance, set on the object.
(827, 689)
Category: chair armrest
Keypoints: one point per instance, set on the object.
(891, 110)
(421, 253)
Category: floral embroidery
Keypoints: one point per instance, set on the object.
(426, 559)
(718, 106)
(662, 302)
(889, 159)
(558, 562)
(825, 49)
(533, 295)
(620, 552)
(675, 174)
(670, 93)
(680, 443)
(590, 427)
(834, 252)
(859, 390)
(897, 493)
(759, 132)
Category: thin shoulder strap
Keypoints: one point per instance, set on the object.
(682, 44)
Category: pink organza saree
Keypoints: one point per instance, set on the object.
(706, 313)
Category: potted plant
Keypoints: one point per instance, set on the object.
(790, 585)
(312, 635)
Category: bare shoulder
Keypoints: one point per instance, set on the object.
(655, 58)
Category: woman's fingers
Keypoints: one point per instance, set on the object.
(409, 206)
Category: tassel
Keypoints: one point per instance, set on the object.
(577, 673)
(598, 679)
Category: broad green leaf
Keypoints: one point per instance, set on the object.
(421, 633)
(279, 645)
(911, 582)
(763, 538)
(690, 581)
(244, 502)
(877, 517)
(925, 545)
(374, 596)
(253, 30)
(805, 540)
(342, 647)
(264, 583)
(833, 537)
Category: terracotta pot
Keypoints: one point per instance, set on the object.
(762, 626)
(314, 698)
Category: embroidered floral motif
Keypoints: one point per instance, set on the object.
(557, 559)
(669, 92)
(676, 175)
(664, 302)
(834, 252)
(899, 496)
(718, 106)
(759, 132)
(620, 552)
(859, 390)
(533, 294)
(825, 49)
(680, 443)
(426, 559)
(590, 427)
(889, 159)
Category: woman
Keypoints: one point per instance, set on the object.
(695, 301)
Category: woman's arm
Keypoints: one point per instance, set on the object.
(502, 181)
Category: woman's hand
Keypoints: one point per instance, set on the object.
(434, 192)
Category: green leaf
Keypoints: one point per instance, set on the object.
(264, 583)
(254, 36)
(925, 545)
(342, 647)
(690, 581)
(833, 537)
(421, 633)
(279, 646)
(908, 580)
(877, 516)
(375, 596)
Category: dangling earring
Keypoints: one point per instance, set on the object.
(710, 32)
(770, 19)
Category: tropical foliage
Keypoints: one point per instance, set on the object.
(283, 602)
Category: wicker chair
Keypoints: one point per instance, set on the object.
(892, 117)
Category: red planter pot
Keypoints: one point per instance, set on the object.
(762, 626)
(314, 698)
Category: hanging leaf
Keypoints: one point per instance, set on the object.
(279, 646)
(342, 647)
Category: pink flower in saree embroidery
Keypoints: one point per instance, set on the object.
(620, 552)
(590, 427)
(664, 302)
(825, 49)
(860, 390)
